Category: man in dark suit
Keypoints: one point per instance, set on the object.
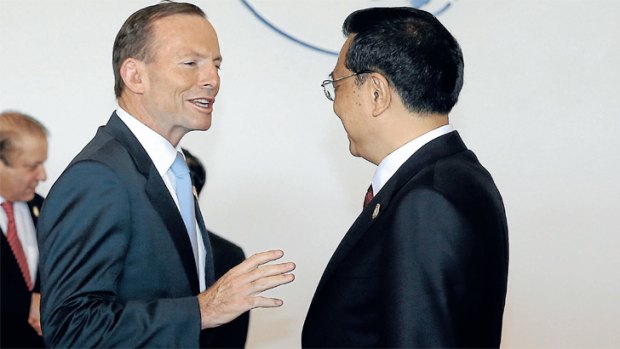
(226, 255)
(125, 258)
(23, 152)
(425, 263)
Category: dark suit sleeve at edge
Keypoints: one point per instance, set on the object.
(83, 236)
(424, 272)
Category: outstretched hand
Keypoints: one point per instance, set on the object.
(239, 289)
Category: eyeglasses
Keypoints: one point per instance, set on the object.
(330, 90)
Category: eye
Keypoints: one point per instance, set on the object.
(31, 167)
(189, 63)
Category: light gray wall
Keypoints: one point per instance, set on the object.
(540, 107)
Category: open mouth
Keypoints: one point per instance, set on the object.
(202, 102)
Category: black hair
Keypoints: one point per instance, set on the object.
(413, 50)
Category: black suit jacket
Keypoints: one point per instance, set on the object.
(117, 268)
(15, 332)
(424, 265)
(226, 255)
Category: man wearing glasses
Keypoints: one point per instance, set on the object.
(425, 263)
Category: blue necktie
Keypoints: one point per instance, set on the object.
(186, 200)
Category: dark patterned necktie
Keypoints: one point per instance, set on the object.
(369, 196)
(16, 245)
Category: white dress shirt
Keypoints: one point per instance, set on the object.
(391, 163)
(25, 232)
(163, 154)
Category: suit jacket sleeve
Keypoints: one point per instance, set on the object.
(430, 252)
(84, 237)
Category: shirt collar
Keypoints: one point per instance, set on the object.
(161, 152)
(391, 163)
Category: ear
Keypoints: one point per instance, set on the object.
(380, 93)
(133, 75)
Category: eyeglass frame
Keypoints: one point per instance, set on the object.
(328, 93)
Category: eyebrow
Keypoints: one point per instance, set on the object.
(331, 75)
(195, 53)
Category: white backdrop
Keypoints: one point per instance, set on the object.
(540, 107)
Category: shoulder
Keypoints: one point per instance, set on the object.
(465, 181)
(105, 150)
(104, 158)
(458, 178)
(90, 185)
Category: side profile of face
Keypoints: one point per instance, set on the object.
(181, 80)
(19, 179)
(351, 105)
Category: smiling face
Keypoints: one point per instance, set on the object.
(20, 177)
(180, 81)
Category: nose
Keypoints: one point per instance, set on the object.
(41, 174)
(210, 78)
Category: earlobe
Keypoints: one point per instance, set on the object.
(132, 74)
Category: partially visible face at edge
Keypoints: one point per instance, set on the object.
(19, 181)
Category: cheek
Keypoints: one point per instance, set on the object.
(185, 80)
(32, 177)
(341, 108)
(27, 178)
(172, 83)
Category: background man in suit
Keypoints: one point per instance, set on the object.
(226, 255)
(23, 151)
(125, 259)
(425, 264)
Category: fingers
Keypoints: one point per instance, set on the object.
(239, 290)
(259, 259)
(271, 270)
(35, 324)
(253, 276)
(265, 302)
(267, 283)
(254, 268)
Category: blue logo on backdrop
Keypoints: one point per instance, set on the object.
(436, 7)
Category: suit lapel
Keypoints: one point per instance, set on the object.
(35, 208)
(431, 152)
(209, 263)
(158, 194)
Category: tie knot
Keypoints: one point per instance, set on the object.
(8, 207)
(179, 167)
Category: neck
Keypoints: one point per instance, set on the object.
(137, 110)
(405, 128)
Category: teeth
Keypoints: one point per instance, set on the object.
(202, 102)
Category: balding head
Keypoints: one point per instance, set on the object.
(23, 151)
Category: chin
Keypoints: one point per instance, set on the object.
(27, 197)
(353, 151)
(203, 124)
(205, 127)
